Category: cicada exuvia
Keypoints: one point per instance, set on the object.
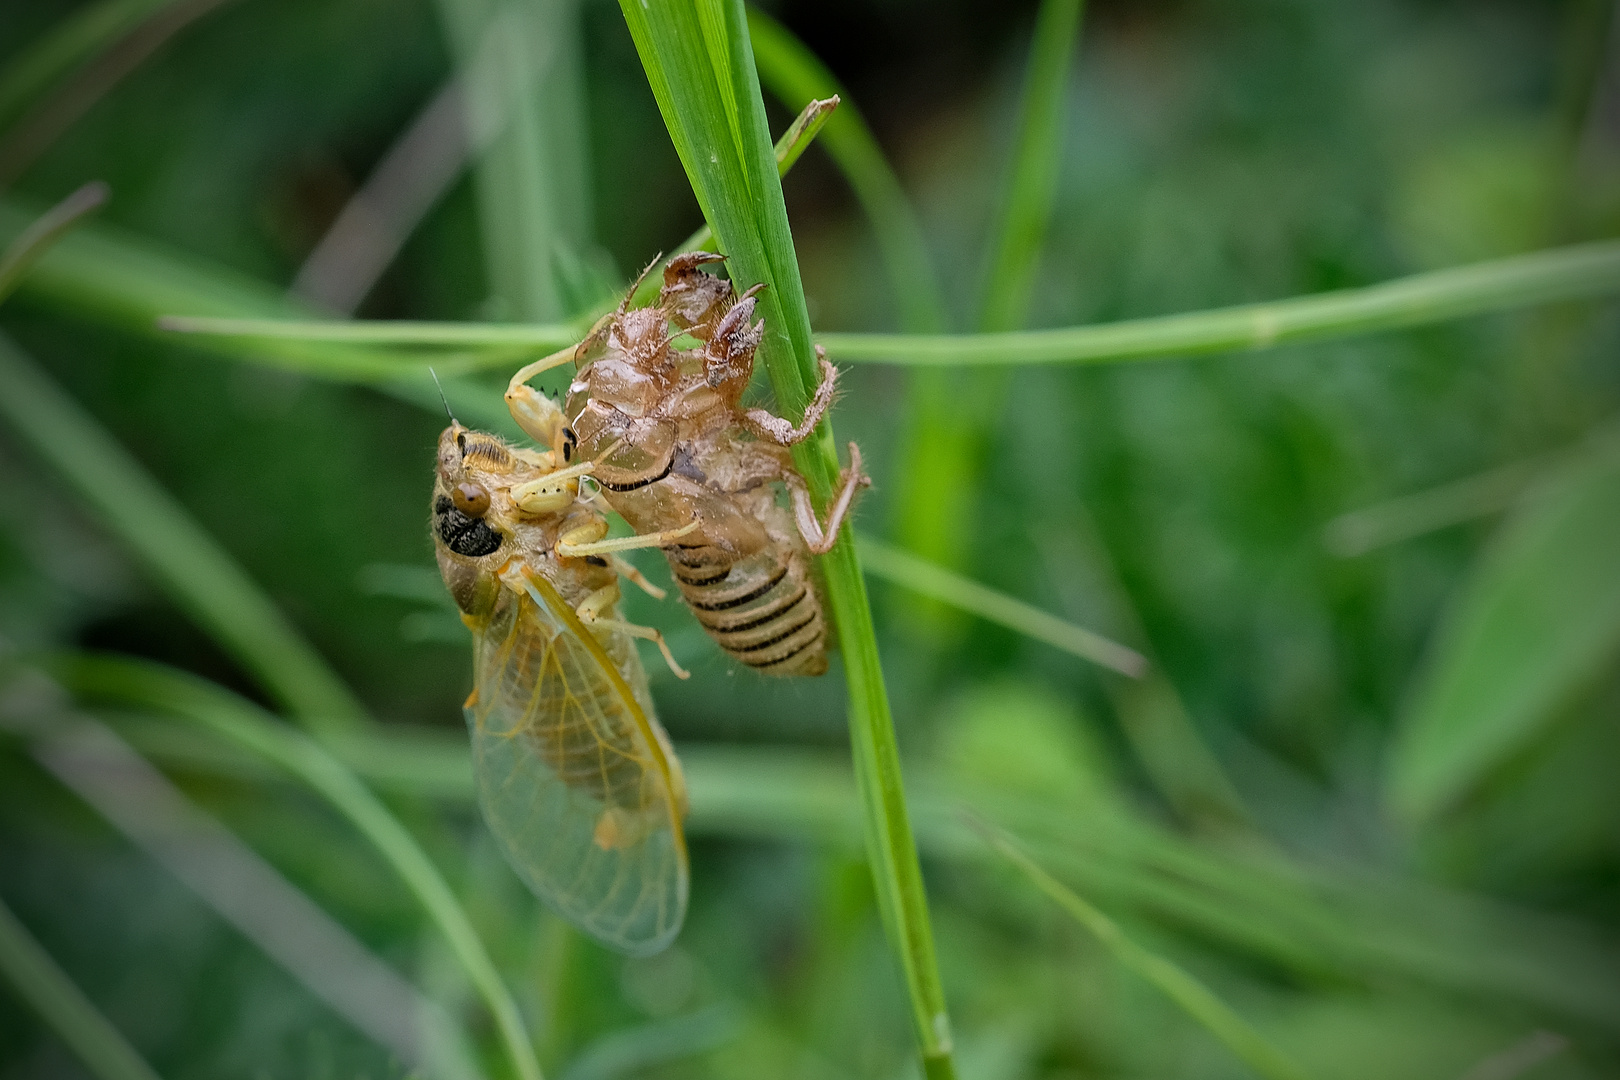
(577, 780)
(675, 446)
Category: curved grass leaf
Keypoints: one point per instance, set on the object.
(1539, 618)
(145, 685)
(60, 1003)
(38, 238)
(198, 574)
(944, 451)
(1032, 178)
(251, 895)
(128, 284)
(522, 66)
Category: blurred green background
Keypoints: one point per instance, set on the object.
(1368, 790)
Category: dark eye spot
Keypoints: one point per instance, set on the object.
(596, 560)
(470, 499)
(570, 441)
(464, 535)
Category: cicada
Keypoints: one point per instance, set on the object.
(577, 780)
(675, 446)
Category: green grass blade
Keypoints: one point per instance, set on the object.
(248, 893)
(1032, 180)
(1358, 929)
(1567, 273)
(803, 131)
(793, 143)
(127, 284)
(69, 43)
(1191, 996)
(793, 74)
(1538, 621)
(190, 566)
(521, 60)
(945, 448)
(79, 1024)
(379, 332)
(1424, 512)
(32, 243)
(934, 581)
(716, 119)
(141, 684)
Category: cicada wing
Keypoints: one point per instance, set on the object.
(575, 777)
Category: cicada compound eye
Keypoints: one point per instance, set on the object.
(471, 499)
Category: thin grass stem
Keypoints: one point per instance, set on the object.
(1557, 274)
(48, 990)
(793, 143)
(1031, 182)
(38, 238)
(946, 446)
(1191, 996)
(375, 332)
(1576, 272)
(948, 587)
(523, 76)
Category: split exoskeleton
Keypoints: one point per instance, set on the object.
(674, 447)
(576, 778)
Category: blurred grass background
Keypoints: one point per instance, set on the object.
(1366, 793)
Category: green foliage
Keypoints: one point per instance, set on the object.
(40, 982)
(1538, 622)
(186, 560)
(1362, 798)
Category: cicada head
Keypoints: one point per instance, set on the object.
(692, 298)
(470, 528)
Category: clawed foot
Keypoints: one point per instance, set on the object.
(817, 538)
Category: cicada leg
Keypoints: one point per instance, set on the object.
(630, 573)
(767, 426)
(540, 417)
(590, 612)
(559, 489)
(587, 539)
(817, 538)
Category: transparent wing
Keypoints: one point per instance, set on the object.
(576, 779)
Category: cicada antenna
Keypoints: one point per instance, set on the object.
(442, 398)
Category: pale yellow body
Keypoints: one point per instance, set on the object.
(576, 778)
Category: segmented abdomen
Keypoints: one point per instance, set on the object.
(761, 609)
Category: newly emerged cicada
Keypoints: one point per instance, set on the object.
(576, 778)
(674, 446)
